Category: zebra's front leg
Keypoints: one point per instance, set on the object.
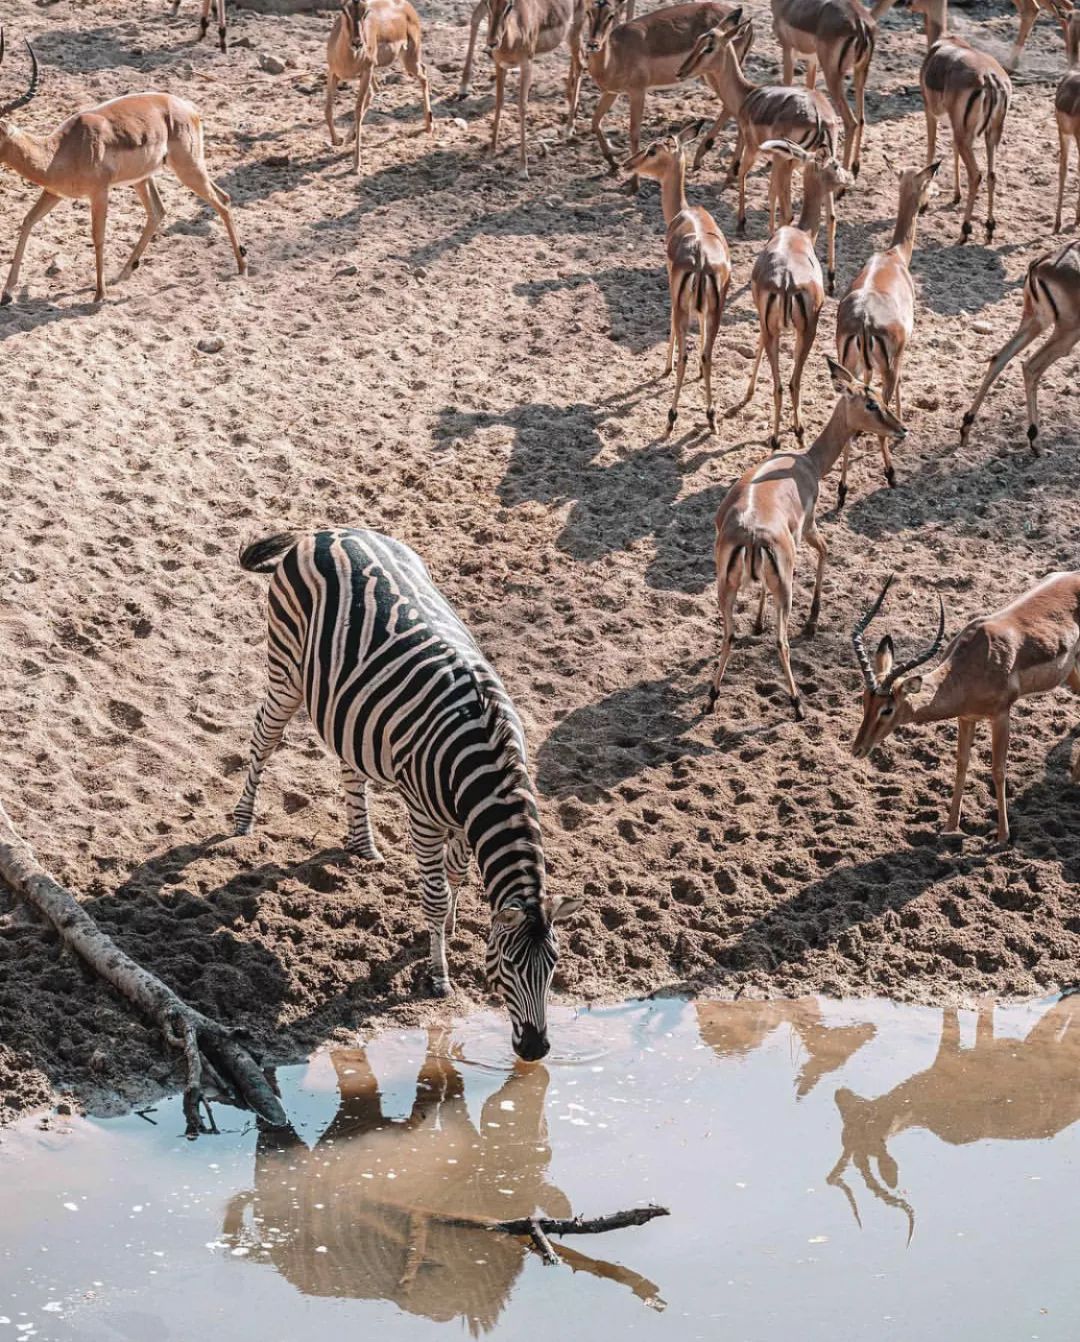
(457, 868)
(359, 840)
(270, 723)
(429, 844)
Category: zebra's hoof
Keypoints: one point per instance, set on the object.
(365, 852)
(440, 987)
(241, 828)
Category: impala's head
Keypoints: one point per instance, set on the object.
(934, 10)
(15, 103)
(730, 38)
(866, 1125)
(499, 12)
(1069, 17)
(917, 185)
(656, 159)
(862, 411)
(825, 166)
(522, 952)
(355, 12)
(601, 17)
(888, 687)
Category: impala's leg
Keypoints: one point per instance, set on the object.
(841, 488)
(858, 84)
(1029, 330)
(457, 868)
(681, 319)
(1073, 682)
(191, 170)
(974, 180)
(830, 244)
(816, 541)
(965, 736)
(787, 55)
(709, 138)
(782, 597)
(364, 89)
(1059, 344)
(500, 93)
(889, 379)
(40, 208)
(281, 702)
(727, 593)
(524, 84)
(331, 94)
(772, 349)
(811, 71)
(993, 134)
(710, 325)
(359, 840)
(429, 845)
(957, 193)
(752, 383)
(414, 65)
(672, 337)
(1029, 12)
(222, 43)
(747, 161)
(931, 132)
(834, 82)
(759, 618)
(1063, 172)
(604, 105)
(155, 213)
(479, 11)
(99, 216)
(1076, 220)
(999, 750)
(204, 19)
(573, 79)
(637, 112)
(804, 341)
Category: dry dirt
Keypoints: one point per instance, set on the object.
(469, 362)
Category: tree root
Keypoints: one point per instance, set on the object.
(209, 1049)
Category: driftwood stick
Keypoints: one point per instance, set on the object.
(573, 1225)
(203, 1041)
(542, 1244)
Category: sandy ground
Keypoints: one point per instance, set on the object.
(469, 362)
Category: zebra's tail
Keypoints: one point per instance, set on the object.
(264, 556)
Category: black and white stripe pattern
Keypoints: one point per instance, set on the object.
(398, 690)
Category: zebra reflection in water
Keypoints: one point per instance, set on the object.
(356, 1216)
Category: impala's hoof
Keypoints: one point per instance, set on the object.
(710, 703)
(774, 442)
(965, 426)
(832, 282)
(810, 629)
(710, 415)
(991, 224)
(841, 495)
(965, 232)
(890, 477)
(1032, 434)
(5, 299)
(796, 706)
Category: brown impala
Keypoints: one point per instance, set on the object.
(1028, 647)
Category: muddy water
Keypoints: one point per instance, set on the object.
(834, 1171)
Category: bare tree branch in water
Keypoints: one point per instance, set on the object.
(209, 1049)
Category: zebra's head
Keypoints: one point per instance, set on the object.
(522, 952)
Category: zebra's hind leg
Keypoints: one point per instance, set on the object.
(359, 840)
(276, 709)
(429, 844)
(457, 868)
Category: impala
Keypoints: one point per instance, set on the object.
(204, 20)
(769, 511)
(877, 314)
(641, 54)
(972, 89)
(518, 32)
(786, 282)
(1051, 298)
(801, 116)
(1067, 111)
(369, 35)
(699, 267)
(125, 142)
(839, 36)
(1028, 647)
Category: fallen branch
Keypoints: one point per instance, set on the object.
(207, 1047)
(537, 1228)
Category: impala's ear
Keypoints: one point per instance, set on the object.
(731, 21)
(890, 1171)
(883, 658)
(843, 381)
(513, 915)
(564, 907)
(909, 685)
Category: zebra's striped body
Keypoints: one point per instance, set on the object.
(398, 690)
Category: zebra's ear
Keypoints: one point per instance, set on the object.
(513, 915)
(564, 907)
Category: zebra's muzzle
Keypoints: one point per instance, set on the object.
(531, 1045)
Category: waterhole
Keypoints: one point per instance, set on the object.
(834, 1171)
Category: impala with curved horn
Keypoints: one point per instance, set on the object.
(1028, 647)
(124, 142)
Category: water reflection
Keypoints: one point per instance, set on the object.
(1005, 1089)
(735, 1029)
(356, 1216)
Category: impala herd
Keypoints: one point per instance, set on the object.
(1028, 647)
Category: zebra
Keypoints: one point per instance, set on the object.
(397, 688)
